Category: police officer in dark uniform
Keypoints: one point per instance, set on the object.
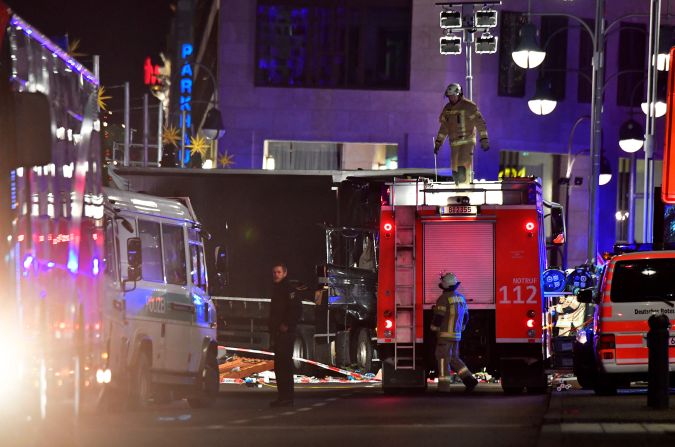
(285, 312)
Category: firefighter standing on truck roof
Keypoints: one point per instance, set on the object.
(459, 119)
(285, 312)
(451, 315)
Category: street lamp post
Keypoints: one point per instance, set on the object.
(648, 205)
(597, 77)
(597, 80)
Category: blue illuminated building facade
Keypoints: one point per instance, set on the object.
(370, 72)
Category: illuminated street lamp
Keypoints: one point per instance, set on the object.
(665, 43)
(543, 102)
(631, 136)
(605, 171)
(213, 128)
(659, 107)
(528, 53)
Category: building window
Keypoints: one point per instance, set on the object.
(632, 53)
(174, 254)
(358, 44)
(511, 80)
(554, 42)
(151, 248)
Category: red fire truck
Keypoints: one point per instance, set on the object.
(492, 236)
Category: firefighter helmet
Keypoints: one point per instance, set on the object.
(453, 89)
(448, 280)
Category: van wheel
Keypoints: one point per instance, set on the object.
(342, 358)
(605, 390)
(141, 383)
(512, 390)
(537, 389)
(210, 384)
(584, 366)
(299, 351)
(363, 351)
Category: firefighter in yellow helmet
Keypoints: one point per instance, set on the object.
(451, 314)
(459, 120)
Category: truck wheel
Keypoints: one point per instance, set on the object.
(300, 351)
(584, 366)
(537, 389)
(342, 357)
(605, 386)
(210, 384)
(141, 383)
(363, 351)
(512, 390)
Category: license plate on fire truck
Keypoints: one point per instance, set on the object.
(459, 209)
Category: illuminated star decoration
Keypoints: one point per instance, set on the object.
(73, 47)
(198, 145)
(101, 98)
(226, 160)
(170, 136)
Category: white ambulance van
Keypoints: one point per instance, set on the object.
(163, 320)
(614, 353)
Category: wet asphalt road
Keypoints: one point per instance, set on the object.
(324, 415)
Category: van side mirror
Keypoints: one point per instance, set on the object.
(586, 295)
(222, 266)
(134, 259)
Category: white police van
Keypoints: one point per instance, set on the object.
(163, 324)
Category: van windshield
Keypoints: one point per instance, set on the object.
(643, 280)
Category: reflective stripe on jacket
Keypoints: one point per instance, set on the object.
(453, 313)
(459, 122)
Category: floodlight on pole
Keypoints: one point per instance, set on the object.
(486, 44)
(485, 18)
(631, 136)
(543, 102)
(451, 45)
(450, 18)
(528, 54)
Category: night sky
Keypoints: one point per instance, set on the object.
(122, 32)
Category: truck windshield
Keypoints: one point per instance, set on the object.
(643, 280)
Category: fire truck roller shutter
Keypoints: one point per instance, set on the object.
(466, 248)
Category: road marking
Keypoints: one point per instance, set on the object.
(215, 427)
(241, 421)
(288, 413)
(269, 416)
(304, 409)
(319, 404)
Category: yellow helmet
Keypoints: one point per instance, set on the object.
(453, 89)
(448, 280)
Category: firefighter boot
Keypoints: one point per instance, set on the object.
(444, 379)
(470, 383)
(461, 175)
(455, 178)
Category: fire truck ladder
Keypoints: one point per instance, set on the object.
(404, 286)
